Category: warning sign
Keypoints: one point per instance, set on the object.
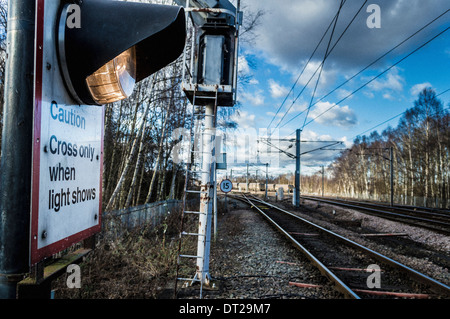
(67, 152)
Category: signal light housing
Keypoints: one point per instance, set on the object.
(118, 44)
(115, 80)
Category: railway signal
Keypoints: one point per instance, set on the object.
(102, 59)
(210, 82)
(62, 59)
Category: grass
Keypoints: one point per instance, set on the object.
(140, 264)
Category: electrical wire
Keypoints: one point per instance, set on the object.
(372, 63)
(323, 61)
(303, 70)
(304, 87)
(380, 74)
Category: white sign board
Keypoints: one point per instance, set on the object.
(67, 152)
(226, 186)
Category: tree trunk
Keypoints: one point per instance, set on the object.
(158, 161)
(132, 154)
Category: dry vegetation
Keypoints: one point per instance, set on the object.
(138, 265)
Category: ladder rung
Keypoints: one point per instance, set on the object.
(206, 97)
(192, 234)
(188, 279)
(197, 192)
(201, 114)
(198, 172)
(192, 212)
(190, 256)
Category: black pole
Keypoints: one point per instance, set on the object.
(297, 168)
(391, 151)
(15, 184)
(323, 173)
(267, 180)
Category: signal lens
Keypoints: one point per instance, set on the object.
(115, 80)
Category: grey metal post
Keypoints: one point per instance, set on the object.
(297, 168)
(215, 203)
(17, 138)
(391, 151)
(246, 179)
(323, 173)
(267, 180)
(208, 181)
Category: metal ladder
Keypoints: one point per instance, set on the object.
(194, 128)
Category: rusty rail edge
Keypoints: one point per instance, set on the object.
(413, 273)
(340, 286)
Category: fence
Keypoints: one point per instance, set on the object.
(114, 223)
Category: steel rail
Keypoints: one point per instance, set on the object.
(390, 215)
(413, 273)
(408, 210)
(340, 285)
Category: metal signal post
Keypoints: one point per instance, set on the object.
(209, 82)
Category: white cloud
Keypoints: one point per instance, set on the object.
(290, 29)
(243, 66)
(388, 96)
(277, 90)
(244, 119)
(393, 81)
(342, 93)
(313, 70)
(333, 115)
(254, 98)
(313, 136)
(416, 89)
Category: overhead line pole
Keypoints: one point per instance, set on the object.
(297, 158)
(391, 158)
(267, 180)
(323, 177)
(297, 168)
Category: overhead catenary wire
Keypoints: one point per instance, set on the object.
(377, 76)
(394, 117)
(304, 68)
(372, 63)
(317, 69)
(380, 74)
(324, 59)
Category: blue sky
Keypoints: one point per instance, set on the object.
(287, 35)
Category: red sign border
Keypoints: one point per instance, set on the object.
(36, 255)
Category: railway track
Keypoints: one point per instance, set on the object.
(436, 221)
(345, 262)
